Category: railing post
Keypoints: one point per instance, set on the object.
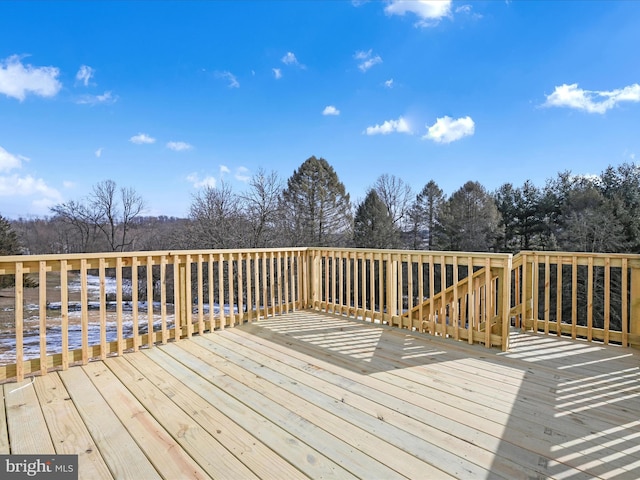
(313, 260)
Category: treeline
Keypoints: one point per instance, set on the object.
(596, 213)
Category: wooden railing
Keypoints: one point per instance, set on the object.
(452, 294)
(90, 306)
(194, 292)
(581, 295)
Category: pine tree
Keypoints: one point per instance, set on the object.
(373, 225)
(470, 220)
(427, 209)
(10, 245)
(317, 207)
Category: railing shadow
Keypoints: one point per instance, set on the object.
(558, 408)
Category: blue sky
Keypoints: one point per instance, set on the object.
(168, 96)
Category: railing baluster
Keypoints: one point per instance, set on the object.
(240, 287)
(250, 273)
(625, 304)
(265, 302)
(150, 334)
(559, 294)
(200, 295)
(547, 293)
(590, 300)
(272, 286)
(134, 302)
(177, 301)
(280, 282)
(232, 316)
(103, 309)
(574, 297)
(64, 313)
(185, 275)
(607, 298)
(119, 306)
(163, 300)
(19, 321)
(221, 314)
(211, 291)
(42, 307)
(84, 313)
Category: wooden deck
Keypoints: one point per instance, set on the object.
(312, 395)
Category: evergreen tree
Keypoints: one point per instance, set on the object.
(316, 205)
(9, 244)
(373, 225)
(522, 216)
(427, 210)
(470, 220)
(621, 187)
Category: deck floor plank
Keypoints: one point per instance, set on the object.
(158, 445)
(27, 427)
(366, 433)
(196, 441)
(258, 457)
(315, 395)
(311, 462)
(348, 457)
(120, 451)
(68, 432)
(613, 451)
(425, 417)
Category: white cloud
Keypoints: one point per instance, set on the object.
(277, 73)
(447, 130)
(106, 98)
(16, 185)
(430, 12)
(9, 161)
(400, 126)
(230, 77)
(330, 110)
(290, 59)
(389, 83)
(17, 80)
(367, 59)
(224, 169)
(68, 184)
(592, 101)
(142, 138)
(242, 174)
(463, 9)
(179, 146)
(198, 182)
(85, 73)
(99, 152)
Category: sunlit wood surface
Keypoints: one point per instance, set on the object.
(312, 395)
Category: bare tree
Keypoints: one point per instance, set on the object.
(108, 210)
(82, 222)
(115, 214)
(396, 195)
(216, 219)
(261, 205)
